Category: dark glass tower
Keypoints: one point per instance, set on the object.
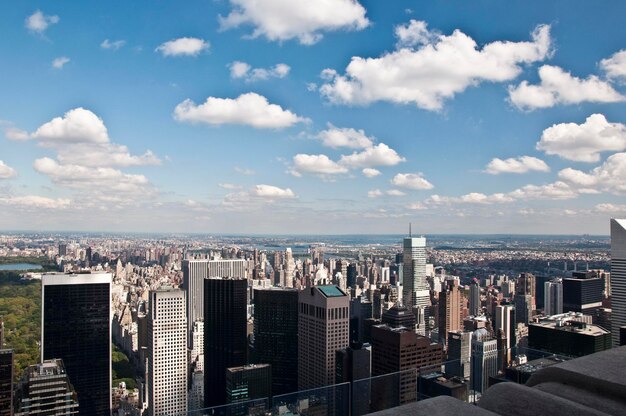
(225, 334)
(276, 335)
(76, 328)
(6, 382)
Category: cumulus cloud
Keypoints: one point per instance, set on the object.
(557, 190)
(6, 171)
(59, 63)
(34, 201)
(615, 66)
(413, 181)
(377, 155)
(370, 172)
(281, 20)
(113, 45)
(183, 47)
(610, 208)
(583, 142)
(229, 186)
(39, 22)
(249, 109)
(429, 68)
(90, 178)
(395, 192)
(417, 206)
(16, 134)
(522, 164)
(608, 177)
(317, 164)
(344, 137)
(374, 193)
(560, 87)
(271, 192)
(242, 70)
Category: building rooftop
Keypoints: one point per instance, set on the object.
(331, 291)
(567, 322)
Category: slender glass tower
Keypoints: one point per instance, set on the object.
(618, 278)
(416, 292)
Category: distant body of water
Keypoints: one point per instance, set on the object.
(20, 266)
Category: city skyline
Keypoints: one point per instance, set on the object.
(230, 117)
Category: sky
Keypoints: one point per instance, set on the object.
(319, 117)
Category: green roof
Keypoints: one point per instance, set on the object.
(331, 291)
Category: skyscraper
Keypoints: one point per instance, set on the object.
(449, 310)
(276, 335)
(76, 328)
(225, 334)
(484, 359)
(167, 352)
(45, 389)
(399, 316)
(504, 329)
(248, 382)
(416, 292)
(353, 364)
(323, 328)
(474, 298)
(459, 354)
(618, 278)
(6, 382)
(553, 297)
(583, 292)
(194, 273)
(527, 286)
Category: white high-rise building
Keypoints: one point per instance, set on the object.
(196, 358)
(618, 278)
(167, 352)
(235, 268)
(553, 297)
(290, 267)
(416, 292)
(194, 273)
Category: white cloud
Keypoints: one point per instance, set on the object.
(80, 137)
(479, 198)
(249, 109)
(113, 45)
(229, 186)
(281, 20)
(608, 177)
(244, 171)
(271, 192)
(377, 155)
(521, 164)
(183, 47)
(436, 69)
(16, 134)
(318, 164)
(615, 66)
(560, 87)
(242, 70)
(557, 190)
(345, 137)
(583, 142)
(417, 206)
(34, 201)
(6, 171)
(59, 63)
(370, 172)
(374, 193)
(610, 208)
(88, 178)
(395, 192)
(413, 181)
(39, 22)
(415, 33)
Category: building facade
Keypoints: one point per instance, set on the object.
(618, 278)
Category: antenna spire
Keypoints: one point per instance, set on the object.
(410, 235)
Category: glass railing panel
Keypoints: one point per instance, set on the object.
(324, 401)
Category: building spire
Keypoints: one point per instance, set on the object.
(410, 235)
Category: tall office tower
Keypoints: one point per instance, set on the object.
(399, 316)
(196, 356)
(504, 329)
(276, 335)
(167, 352)
(399, 350)
(523, 308)
(194, 273)
(62, 249)
(45, 389)
(583, 292)
(618, 277)
(360, 310)
(474, 298)
(449, 310)
(354, 364)
(484, 359)
(76, 328)
(290, 267)
(416, 292)
(553, 297)
(459, 354)
(323, 328)
(248, 382)
(235, 268)
(6, 382)
(225, 334)
(527, 285)
(351, 275)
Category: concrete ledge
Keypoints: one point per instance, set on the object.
(437, 406)
(513, 399)
(602, 403)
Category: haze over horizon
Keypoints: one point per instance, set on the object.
(239, 117)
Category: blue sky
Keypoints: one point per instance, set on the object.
(333, 116)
